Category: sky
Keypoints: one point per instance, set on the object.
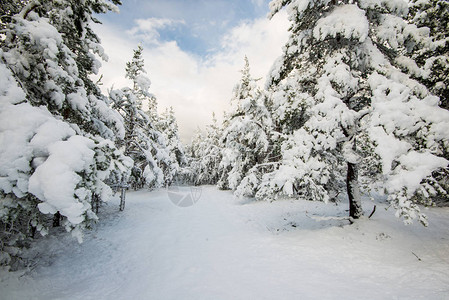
(193, 51)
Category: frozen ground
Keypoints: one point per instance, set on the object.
(224, 248)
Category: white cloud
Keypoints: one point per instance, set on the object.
(148, 29)
(195, 86)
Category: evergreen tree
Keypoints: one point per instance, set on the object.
(205, 154)
(359, 107)
(54, 57)
(142, 140)
(158, 143)
(169, 128)
(193, 157)
(156, 172)
(245, 137)
(432, 62)
(152, 110)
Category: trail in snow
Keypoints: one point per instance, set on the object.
(224, 248)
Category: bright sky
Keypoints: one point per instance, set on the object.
(193, 51)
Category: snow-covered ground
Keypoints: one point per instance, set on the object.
(226, 248)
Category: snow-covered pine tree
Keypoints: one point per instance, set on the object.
(158, 143)
(73, 47)
(289, 108)
(151, 111)
(432, 61)
(245, 136)
(205, 156)
(60, 152)
(192, 155)
(142, 140)
(266, 146)
(73, 20)
(155, 172)
(169, 128)
(340, 55)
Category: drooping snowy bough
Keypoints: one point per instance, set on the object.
(360, 118)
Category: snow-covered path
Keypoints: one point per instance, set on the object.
(223, 248)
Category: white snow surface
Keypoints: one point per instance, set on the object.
(399, 7)
(225, 248)
(348, 20)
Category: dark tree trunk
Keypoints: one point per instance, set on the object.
(355, 204)
(95, 203)
(33, 230)
(122, 198)
(57, 219)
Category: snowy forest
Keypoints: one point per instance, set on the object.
(357, 106)
(357, 103)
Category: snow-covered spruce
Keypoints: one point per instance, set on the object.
(430, 64)
(57, 131)
(150, 140)
(178, 160)
(358, 112)
(142, 141)
(245, 134)
(205, 154)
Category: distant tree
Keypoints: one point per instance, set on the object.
(193, 157)
(205, 154)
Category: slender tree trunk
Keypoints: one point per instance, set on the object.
(57, 219)
(95, 203)
(352, 185)
(122, 198)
